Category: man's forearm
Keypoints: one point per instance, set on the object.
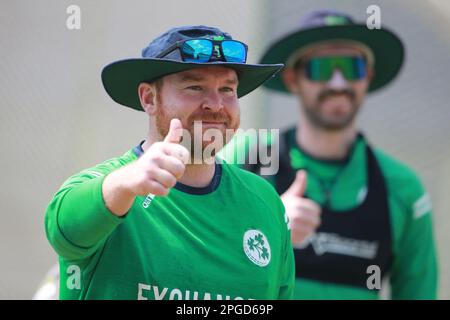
(117, 195)
(77, 219)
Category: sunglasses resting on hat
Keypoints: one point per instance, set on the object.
(321, 69)
(206, 50)
(180, 49)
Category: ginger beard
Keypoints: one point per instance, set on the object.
(227, 130)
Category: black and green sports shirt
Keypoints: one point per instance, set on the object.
(388, 225)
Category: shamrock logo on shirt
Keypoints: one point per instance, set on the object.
(256, 247)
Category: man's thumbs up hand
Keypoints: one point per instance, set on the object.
(175, 131)
(298, 187)
(303, 213)
(159, 168)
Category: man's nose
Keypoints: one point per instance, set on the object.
(337, 81)
(213, 102)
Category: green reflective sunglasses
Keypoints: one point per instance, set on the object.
(205, 50)
(321, 69)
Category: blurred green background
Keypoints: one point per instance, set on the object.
(56, 118)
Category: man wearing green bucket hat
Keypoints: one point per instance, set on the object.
(357, 216)
(164, 221)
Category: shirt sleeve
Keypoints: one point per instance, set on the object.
(77, 222)
(414, 271)
(287, 281)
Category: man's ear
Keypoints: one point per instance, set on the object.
(147, 96)
(290, 79)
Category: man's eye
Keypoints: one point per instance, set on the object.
(195, 88)
(227, 89)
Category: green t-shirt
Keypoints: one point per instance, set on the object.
(413, 272)
(229, 243)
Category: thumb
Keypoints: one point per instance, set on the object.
(298, 187)
(175, 131)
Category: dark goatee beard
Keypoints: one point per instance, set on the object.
(313, 113)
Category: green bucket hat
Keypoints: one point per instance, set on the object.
(328, 25)
(122, 78)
